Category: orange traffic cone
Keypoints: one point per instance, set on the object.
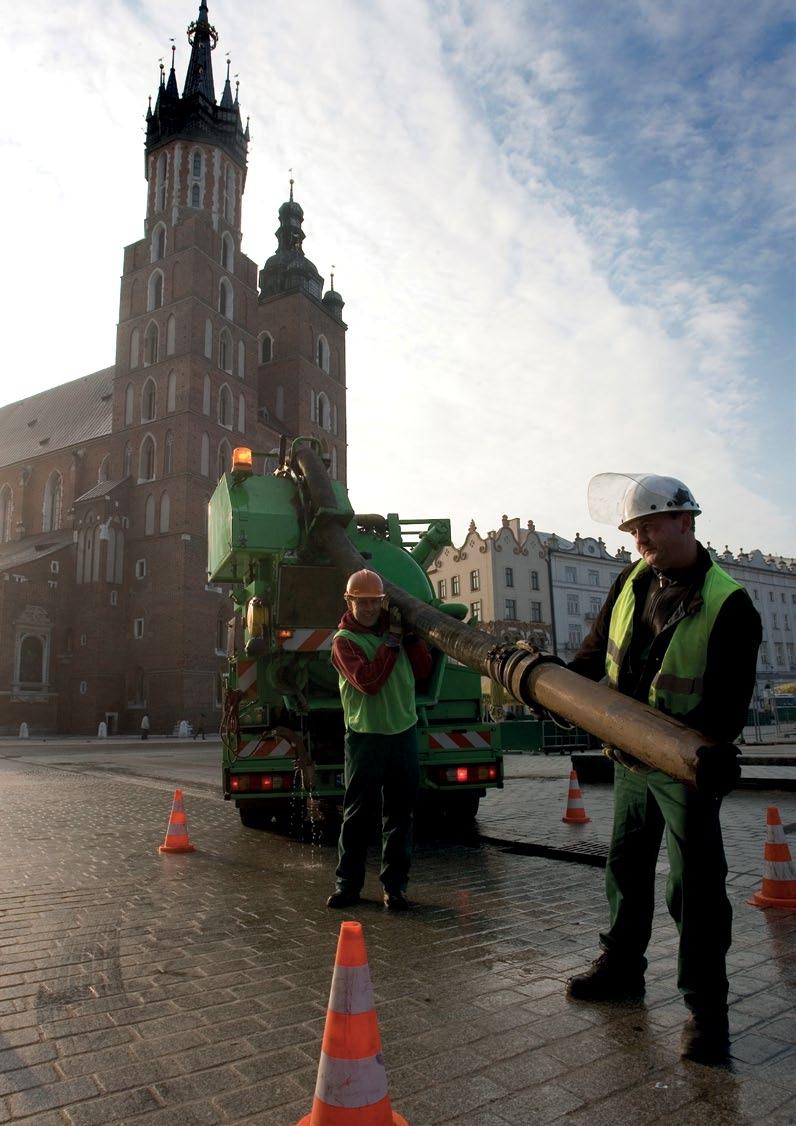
(177, 830)
(351, 1089)
(779, 874)
(575, 813)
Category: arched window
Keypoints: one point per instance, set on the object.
(158, 248)
(196, 194)
(31, 662)
(154, 291)
(225, 350)
(160, 183)
(266, 348)
(241, 414)
(227, 250)
(224, 458)
(324, 412)
(171, 392)
(171, 335)
(229, 195)
(241, 359)
(151, 344)
(51, 510)
(279, 406)
(128, 405)
(204, 462)
(146, 459)
(225, 299)
(165, 508)
(104, 469)
(135, 346)
(206, 395)
(208, 339)
(149, 401)
(128, 460)
(322, 353)
(196, 166)
(168, 454)
(6, 513)
(225, 407)
(149, 516)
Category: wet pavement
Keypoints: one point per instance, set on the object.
(140, 987)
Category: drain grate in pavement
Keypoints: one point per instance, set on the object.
(594, 855)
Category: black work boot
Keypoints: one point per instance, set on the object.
(343, 897)
(706, 1038)
(396, 901)
(608, 979)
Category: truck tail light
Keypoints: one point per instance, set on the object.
(260, 783)
(453, 775)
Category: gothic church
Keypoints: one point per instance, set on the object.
(105, 611)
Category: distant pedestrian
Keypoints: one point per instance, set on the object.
(678, 633)
(200, 730)
(145, 726)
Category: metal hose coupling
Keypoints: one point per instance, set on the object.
(512, 665)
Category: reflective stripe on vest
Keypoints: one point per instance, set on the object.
(392, 709)
(677, 687)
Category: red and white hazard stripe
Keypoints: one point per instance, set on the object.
(309, 640)
(247, 678)
(265, 748)
(459, 740)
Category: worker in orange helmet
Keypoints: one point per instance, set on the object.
(378, 664)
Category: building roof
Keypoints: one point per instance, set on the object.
(19, 552)
(64, 416)
(100, 490)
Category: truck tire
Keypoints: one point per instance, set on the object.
(460, 810)
(255, 818)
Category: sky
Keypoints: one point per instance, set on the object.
(563, 232)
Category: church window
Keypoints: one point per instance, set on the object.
(128, 405)
(196, 193)
(158, 250)
(227, 250)
(171, 335)
(135, 345)
(208, 339)
(204, 464)
(171, 392)
(165, 512)
(31, 662)
(149, 401)
(51, 513)
(168, 454)
(225, 299)
(154, 292)
(151, 344)
(128, 460)
(229, 195)
(149, 515)
(324, 412)
(225, 407)
(241, 359)
(225, 351)
(224, 458)
(6, 514)
(196, 165)
(266, 348)
(322, 354)
(160, 183)
(279, 407)
(104, 469)
(146, 459)
(241, 414)
(206, 395)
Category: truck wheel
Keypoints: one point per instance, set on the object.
(255, 818)
(460, 810)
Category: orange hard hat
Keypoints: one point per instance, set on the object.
(364, 584)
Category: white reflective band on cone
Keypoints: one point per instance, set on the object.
(779, 870)
(351, 991)
(351, 1083)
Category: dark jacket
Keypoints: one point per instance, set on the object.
(662, 601)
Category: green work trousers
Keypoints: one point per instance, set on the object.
(378, 769)
(644, 805)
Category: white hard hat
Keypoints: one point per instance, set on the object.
(618, 498)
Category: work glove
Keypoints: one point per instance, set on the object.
(395, 628)
(718, 770)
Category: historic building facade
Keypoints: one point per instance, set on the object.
(105, 612)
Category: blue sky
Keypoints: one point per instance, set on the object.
(563, 233)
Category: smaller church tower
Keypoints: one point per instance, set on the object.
(301, 344)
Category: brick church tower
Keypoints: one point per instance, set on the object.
(204, 362)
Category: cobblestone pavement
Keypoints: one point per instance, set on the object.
(193, 989)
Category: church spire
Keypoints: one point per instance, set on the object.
(226, 97)
(203, 38)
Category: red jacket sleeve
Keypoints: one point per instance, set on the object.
(419, 656)
(366, 676)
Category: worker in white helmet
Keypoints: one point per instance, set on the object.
(677, 632)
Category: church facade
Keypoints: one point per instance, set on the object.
(105, 611)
